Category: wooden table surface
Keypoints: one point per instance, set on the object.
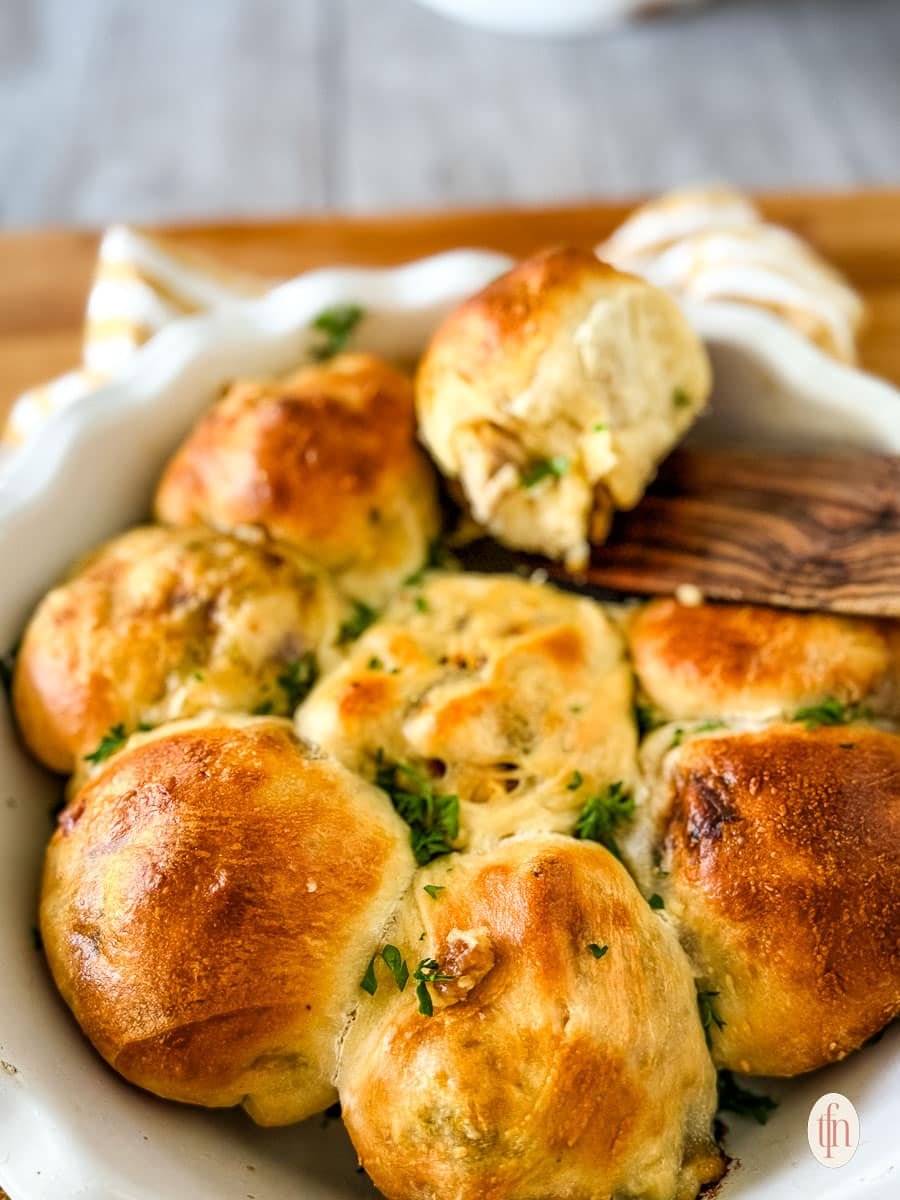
(44, 276)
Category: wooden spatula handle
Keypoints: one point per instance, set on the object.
(800, 532)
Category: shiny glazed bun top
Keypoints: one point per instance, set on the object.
(553, 394)
(511, 696)
(564, 1055)
(777, 854)
(746, 661)
(163, 623)
(325, 459)
(210, 902)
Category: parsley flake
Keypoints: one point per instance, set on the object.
(433, 888)
(375, 663)
(438, 556)
(544, 468)
(831, 712)
(708, 1015)
(680, 398)
(297, 679)
(357, 623)
(433, 819)
(737, 1099)
(396, 964)
(575, 782)
(645, 718)
(597, 951)
(603, 813)
(656, 902)
(114, 739)
(336, 326)
(428, 971)
(421, 604)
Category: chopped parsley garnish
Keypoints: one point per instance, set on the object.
(438, 556)
(656, 901)
(396, 964)
(645, 718)
(544, 468)
(433, 819)
(357, 623)
(600, 427)
(114, 739)
(737, 1099)
(428, 971)
(298, 677)
(336, 326)
(708, 726)
(680, 398)
(677, 738)
(708, 1014)
(375, 663)
(597, 951)
(433, 888)
(575, 782)
(421, 604)
(831, 712)
(603, 813)
(263, 709)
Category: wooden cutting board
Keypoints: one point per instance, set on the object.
(44, 276)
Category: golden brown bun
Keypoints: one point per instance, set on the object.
(544, 1070)
(721, 660)
(777, 854)
(500, 690)
(326, 460)
(562, 360)
(162, 623)
(209, 904)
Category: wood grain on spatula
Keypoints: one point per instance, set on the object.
(793, 531)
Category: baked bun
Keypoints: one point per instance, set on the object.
(550, 1065)
(326, 460)
(552, 396)
(209, 904)
(511, 696)
(777, 854)
(721, 660)
(163, 623)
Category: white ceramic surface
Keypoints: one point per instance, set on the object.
(69, 1128)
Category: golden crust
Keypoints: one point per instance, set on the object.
(499, 689)
(326, 460)
(778, 856)
(719, 660)
(543, 1071)
(209, 903)
(159, 624)
(564, 360)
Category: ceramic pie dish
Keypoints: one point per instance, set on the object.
(68, 1125)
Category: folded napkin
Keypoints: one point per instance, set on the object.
(705, 242)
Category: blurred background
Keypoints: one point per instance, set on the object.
(123, 109)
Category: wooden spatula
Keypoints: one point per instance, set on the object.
(798, 532)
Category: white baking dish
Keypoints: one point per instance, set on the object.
(71, 1128)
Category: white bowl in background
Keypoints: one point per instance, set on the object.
(556, 18)
(69, 1127)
